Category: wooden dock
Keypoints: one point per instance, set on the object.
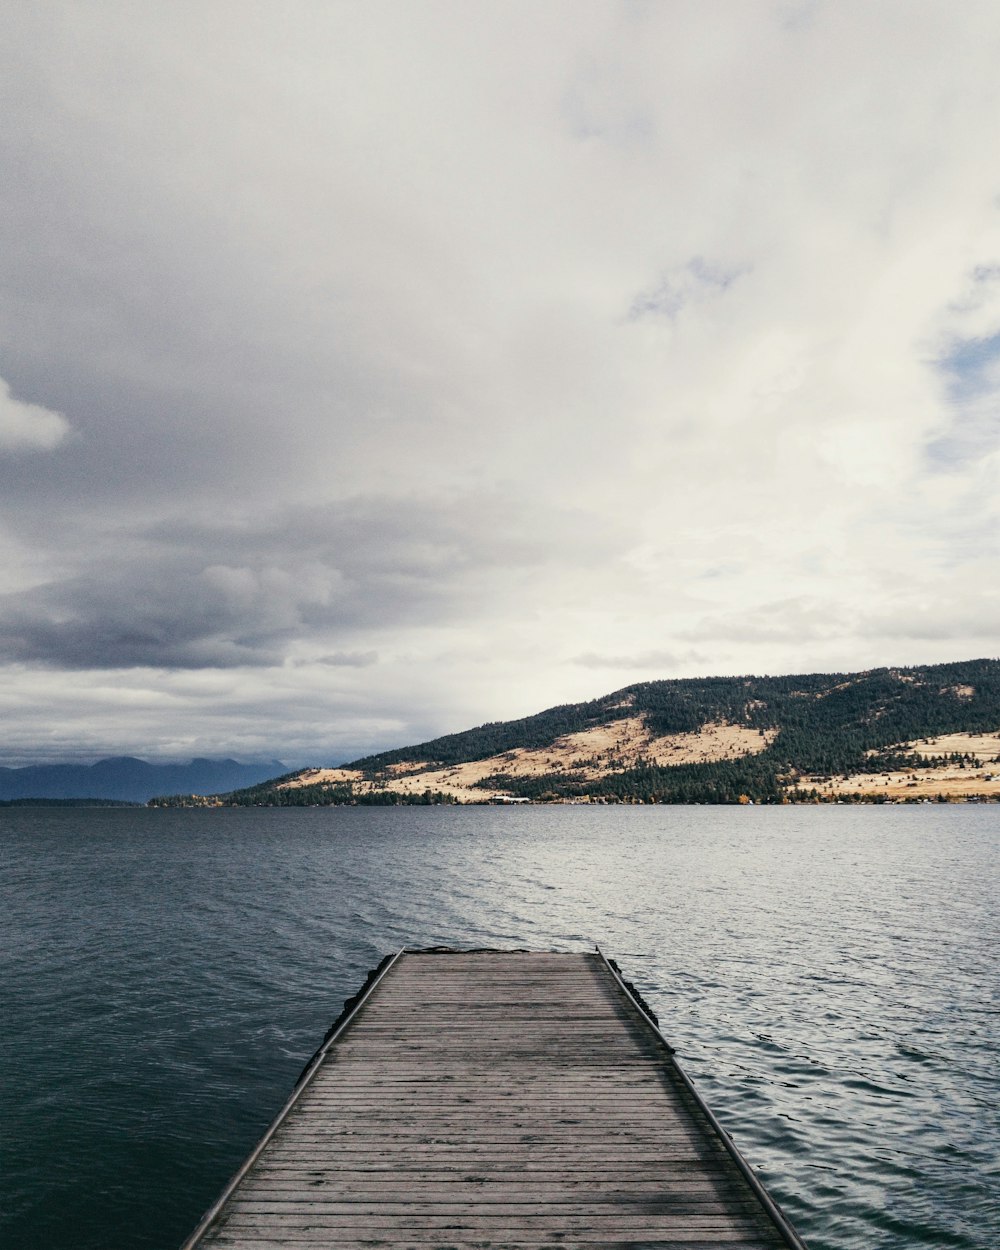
(495, 1099)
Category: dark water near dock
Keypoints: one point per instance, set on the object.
(827, 975)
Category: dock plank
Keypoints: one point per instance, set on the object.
(488, 1099)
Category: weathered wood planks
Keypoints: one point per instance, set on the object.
(495, 1099)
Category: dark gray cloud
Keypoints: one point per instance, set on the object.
(162, 617)
(187, 594)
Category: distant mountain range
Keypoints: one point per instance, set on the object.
(131, 780)
(926, 732)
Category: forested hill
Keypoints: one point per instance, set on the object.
(714, 739)
(825, 721)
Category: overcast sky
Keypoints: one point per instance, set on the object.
(373, 370)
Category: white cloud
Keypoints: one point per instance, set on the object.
(657, 663)
(28, 427)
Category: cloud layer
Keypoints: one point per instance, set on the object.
(386, 369)
(28, 427)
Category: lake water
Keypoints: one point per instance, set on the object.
(827, 975)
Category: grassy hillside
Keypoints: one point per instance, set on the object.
(825, 720)
(810, 726)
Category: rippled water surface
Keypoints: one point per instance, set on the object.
(827, 975)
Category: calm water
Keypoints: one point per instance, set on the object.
(828, 977)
